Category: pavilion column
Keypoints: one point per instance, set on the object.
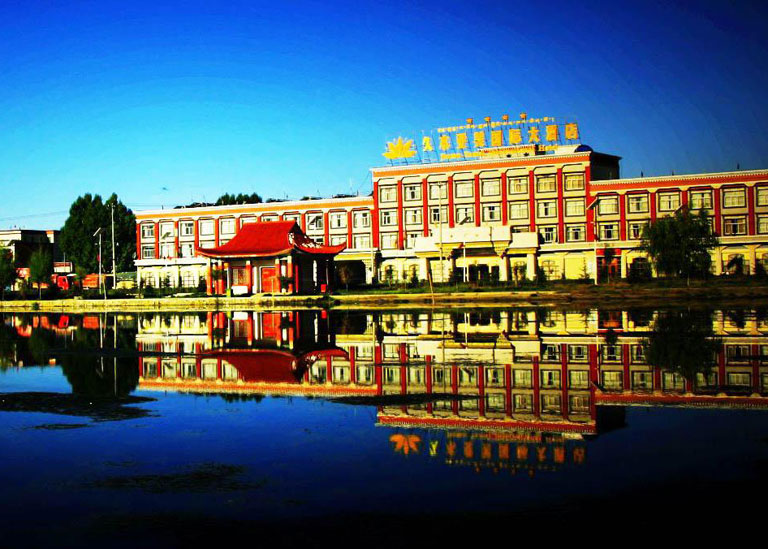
(289, 272)
(249, 275)
(278, 273)
(209, 279)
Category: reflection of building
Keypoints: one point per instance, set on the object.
(498, 208)
(22, 243)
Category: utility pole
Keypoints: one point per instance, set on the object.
(101, 281)
(114, 269)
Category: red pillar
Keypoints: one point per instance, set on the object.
(249, 276)
(428, 380)
(400, 215)
(176, 238)
(138, 241)
(425, 207)
(196, 232)
(536, 387)
(560, 207)
(684, 197)
(375, 216)
(622, 217)
(652, 205)
(721, 366)
(349, 229)
(455, 388)
(477, 199)
(718, 218)
(216, 233)
(504, 206)
(326, 228)
(481, 390)
(755, 363)
(352, 365)
(751, 211)
(451, 210)
(625, 363)
(564, 380)
(209, 280)
(532, 200)
(157, 240)
(591, 212)
(508, 389)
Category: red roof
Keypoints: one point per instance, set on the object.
(267, 239)
(272, 365)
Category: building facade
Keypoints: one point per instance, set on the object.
(504, 212)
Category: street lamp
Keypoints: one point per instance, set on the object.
(98, 233)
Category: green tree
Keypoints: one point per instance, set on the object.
(7, 271)
(40, 269)
(228, 199)
(679, 244)
(89, 213)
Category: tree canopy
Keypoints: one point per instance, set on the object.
(7, 271)
(89, 213)
(240, 198)
(40, 268)
(679, 244)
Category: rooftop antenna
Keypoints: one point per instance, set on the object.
(738, 166)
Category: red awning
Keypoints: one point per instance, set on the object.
(266, 239)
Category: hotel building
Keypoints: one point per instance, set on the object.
(500, 212)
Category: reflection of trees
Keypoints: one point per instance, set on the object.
(40, 343)
(7, 347)
(683, 342)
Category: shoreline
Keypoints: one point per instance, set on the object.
(588, 295)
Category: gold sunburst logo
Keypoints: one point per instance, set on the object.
(400, 148)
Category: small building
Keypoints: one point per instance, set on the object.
(270, 257)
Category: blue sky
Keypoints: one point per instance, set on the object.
(166, 103)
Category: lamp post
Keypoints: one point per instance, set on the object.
(104, 287)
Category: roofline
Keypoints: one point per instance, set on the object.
(308, 204)
(685, 179)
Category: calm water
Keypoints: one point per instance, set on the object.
(300, 427)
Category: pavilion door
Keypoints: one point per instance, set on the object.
(269, 282)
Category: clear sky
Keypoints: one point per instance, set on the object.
(167, 103)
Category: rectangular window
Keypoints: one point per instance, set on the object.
(227, 226)
(548, 234)
(187, 228)
(669, 202)
(465, 214)
(575, 233)
(315, 222)
(286, 217)
(205, 227)
(546, 184)
(577, 353)
(338, 239)
(410, 240)
(637, 203)
(186, 250)
(389, 241)
(361, 220)
(147, 252)
(613, 381)
(762, 195)
(517, 185)
(268, 218)
(734, 198)
(642, 381)
(387, 194)
(523, 403)
(733, 226)
(608, 205)
(166, 250)
(609, 231)
(388, 218)
(550, 379)
(413, 216)
(438, 191)
(492, 213)
(762, 224)
(522, 379)
(739, 379)
(636, 231)
(701, 200)
(551, 353)
(573, 181)
(578, 379)
(490, 187)
(338, 220)
(148, 231)
(464, 189)
(518, 210)
(436, 215)
(166, 230)
(361, 241)
(574, 207)
(546, 208)
(412, 192)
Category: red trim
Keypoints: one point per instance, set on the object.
(327, 227)
(564, 404)
(532, 200)
(216, 231)
(751, 211)
(349, 228)
(138, 241)
(684, 198)
(560, 207)
(696, 400)
(625, 363)
(451, 209)
(504, 200)
(652, 205)
(425, 212)
(687, 181)
(536, 388)
(477, 199)
(375, 216)
(400, 216)
(157, 241)
(485, 423)
(622, 217)
(176, 238)
(591, 211)
(718, 211)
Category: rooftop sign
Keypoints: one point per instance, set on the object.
(490, 139)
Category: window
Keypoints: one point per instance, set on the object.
(227, 226)
(637, 203)
(546, 184)
(251, 219)
(490, 187)
(187, 228)
(186, 250)
(522, 378)
(551, 270)
(636, 231)
(147, 231)
(438, 191)
(413, 192)
(578, 379)
(734, 226)
(550, 379)
(361, 241)
(189, 280)
(762, 224)
(575, 233)
(388, 218)
(464, 189)
(338, 239)
(546, 208)
(166, 250)
(701, 200)
(413, 216)
(669, 202)
(315, 221)
(387, 194)
(166, 229)
(577, 353)
(550, 404)
(573, 181)
(613, 380)
(361, 220)
(637, 353)
(609, 231)
(762, 196)
(739, 379)
(410, 240)
(338, 220)
(437, 215)
(642, 381)
(492, 213)
(579, 404)
(574, 207)
(611, 353)
(523, 403)
(608, 205)
(518, 210)
(465, 214)
(268, 218)
(734, 198)
(147, 252)
(548, 234)
(389, 241)
(517, 185)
